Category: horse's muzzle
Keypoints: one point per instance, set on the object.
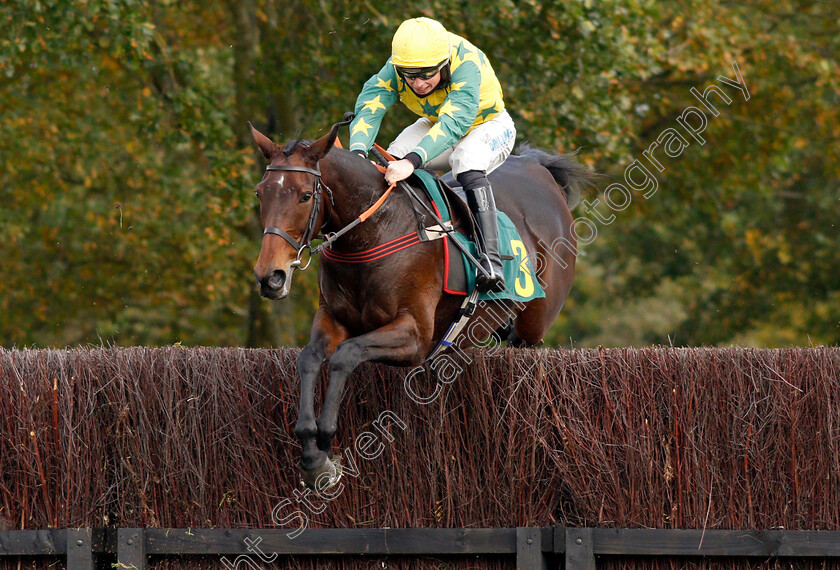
(274, 285)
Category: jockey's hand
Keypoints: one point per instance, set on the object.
(398, 170)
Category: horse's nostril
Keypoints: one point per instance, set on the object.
(276, 280)
(273, 284)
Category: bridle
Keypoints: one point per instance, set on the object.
(308, 235)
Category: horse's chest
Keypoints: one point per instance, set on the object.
(360, 308)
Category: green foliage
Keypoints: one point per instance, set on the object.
(127, 165)
(745, 224)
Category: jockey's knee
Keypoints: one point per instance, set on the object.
(473, 179)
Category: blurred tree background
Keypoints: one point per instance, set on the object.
(127, 167)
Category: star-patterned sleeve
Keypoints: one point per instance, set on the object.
(378, 94)
(457, 113)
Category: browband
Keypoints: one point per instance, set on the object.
(294, 169)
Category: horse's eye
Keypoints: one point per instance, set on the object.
(306, 196)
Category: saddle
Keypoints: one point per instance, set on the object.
(449, 199)
(451, 204)
(454, 194)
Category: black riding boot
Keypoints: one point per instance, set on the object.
(481, 202)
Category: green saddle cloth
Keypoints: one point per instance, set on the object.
(520, 282)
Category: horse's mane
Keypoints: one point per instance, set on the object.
(292, 146)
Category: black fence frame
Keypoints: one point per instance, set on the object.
(534, 547)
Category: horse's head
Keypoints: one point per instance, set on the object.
(292, 206)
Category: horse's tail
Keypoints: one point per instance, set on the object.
(570, 175)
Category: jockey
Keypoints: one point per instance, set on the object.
(463, 123)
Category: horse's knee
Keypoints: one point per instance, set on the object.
(346, 358)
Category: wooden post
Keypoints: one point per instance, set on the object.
(80, 549)
(579, 549)
(131, 549)
(529, 554)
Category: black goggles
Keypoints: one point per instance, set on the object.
(411, 73)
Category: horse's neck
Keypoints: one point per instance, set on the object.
(355, 187)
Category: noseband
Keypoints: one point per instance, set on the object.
(306, 239)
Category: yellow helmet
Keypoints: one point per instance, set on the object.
(420, 42)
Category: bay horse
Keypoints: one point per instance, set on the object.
(394, 309)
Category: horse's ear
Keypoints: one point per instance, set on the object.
(322, 146)
(266, 145)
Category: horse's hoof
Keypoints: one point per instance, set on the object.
(324, 477)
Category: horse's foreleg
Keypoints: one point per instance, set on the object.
(399, 341)
(326, 335)
(309, 368)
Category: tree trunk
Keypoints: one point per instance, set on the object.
(257, 70)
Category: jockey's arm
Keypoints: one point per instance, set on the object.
(377, 96)
(456, 115)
